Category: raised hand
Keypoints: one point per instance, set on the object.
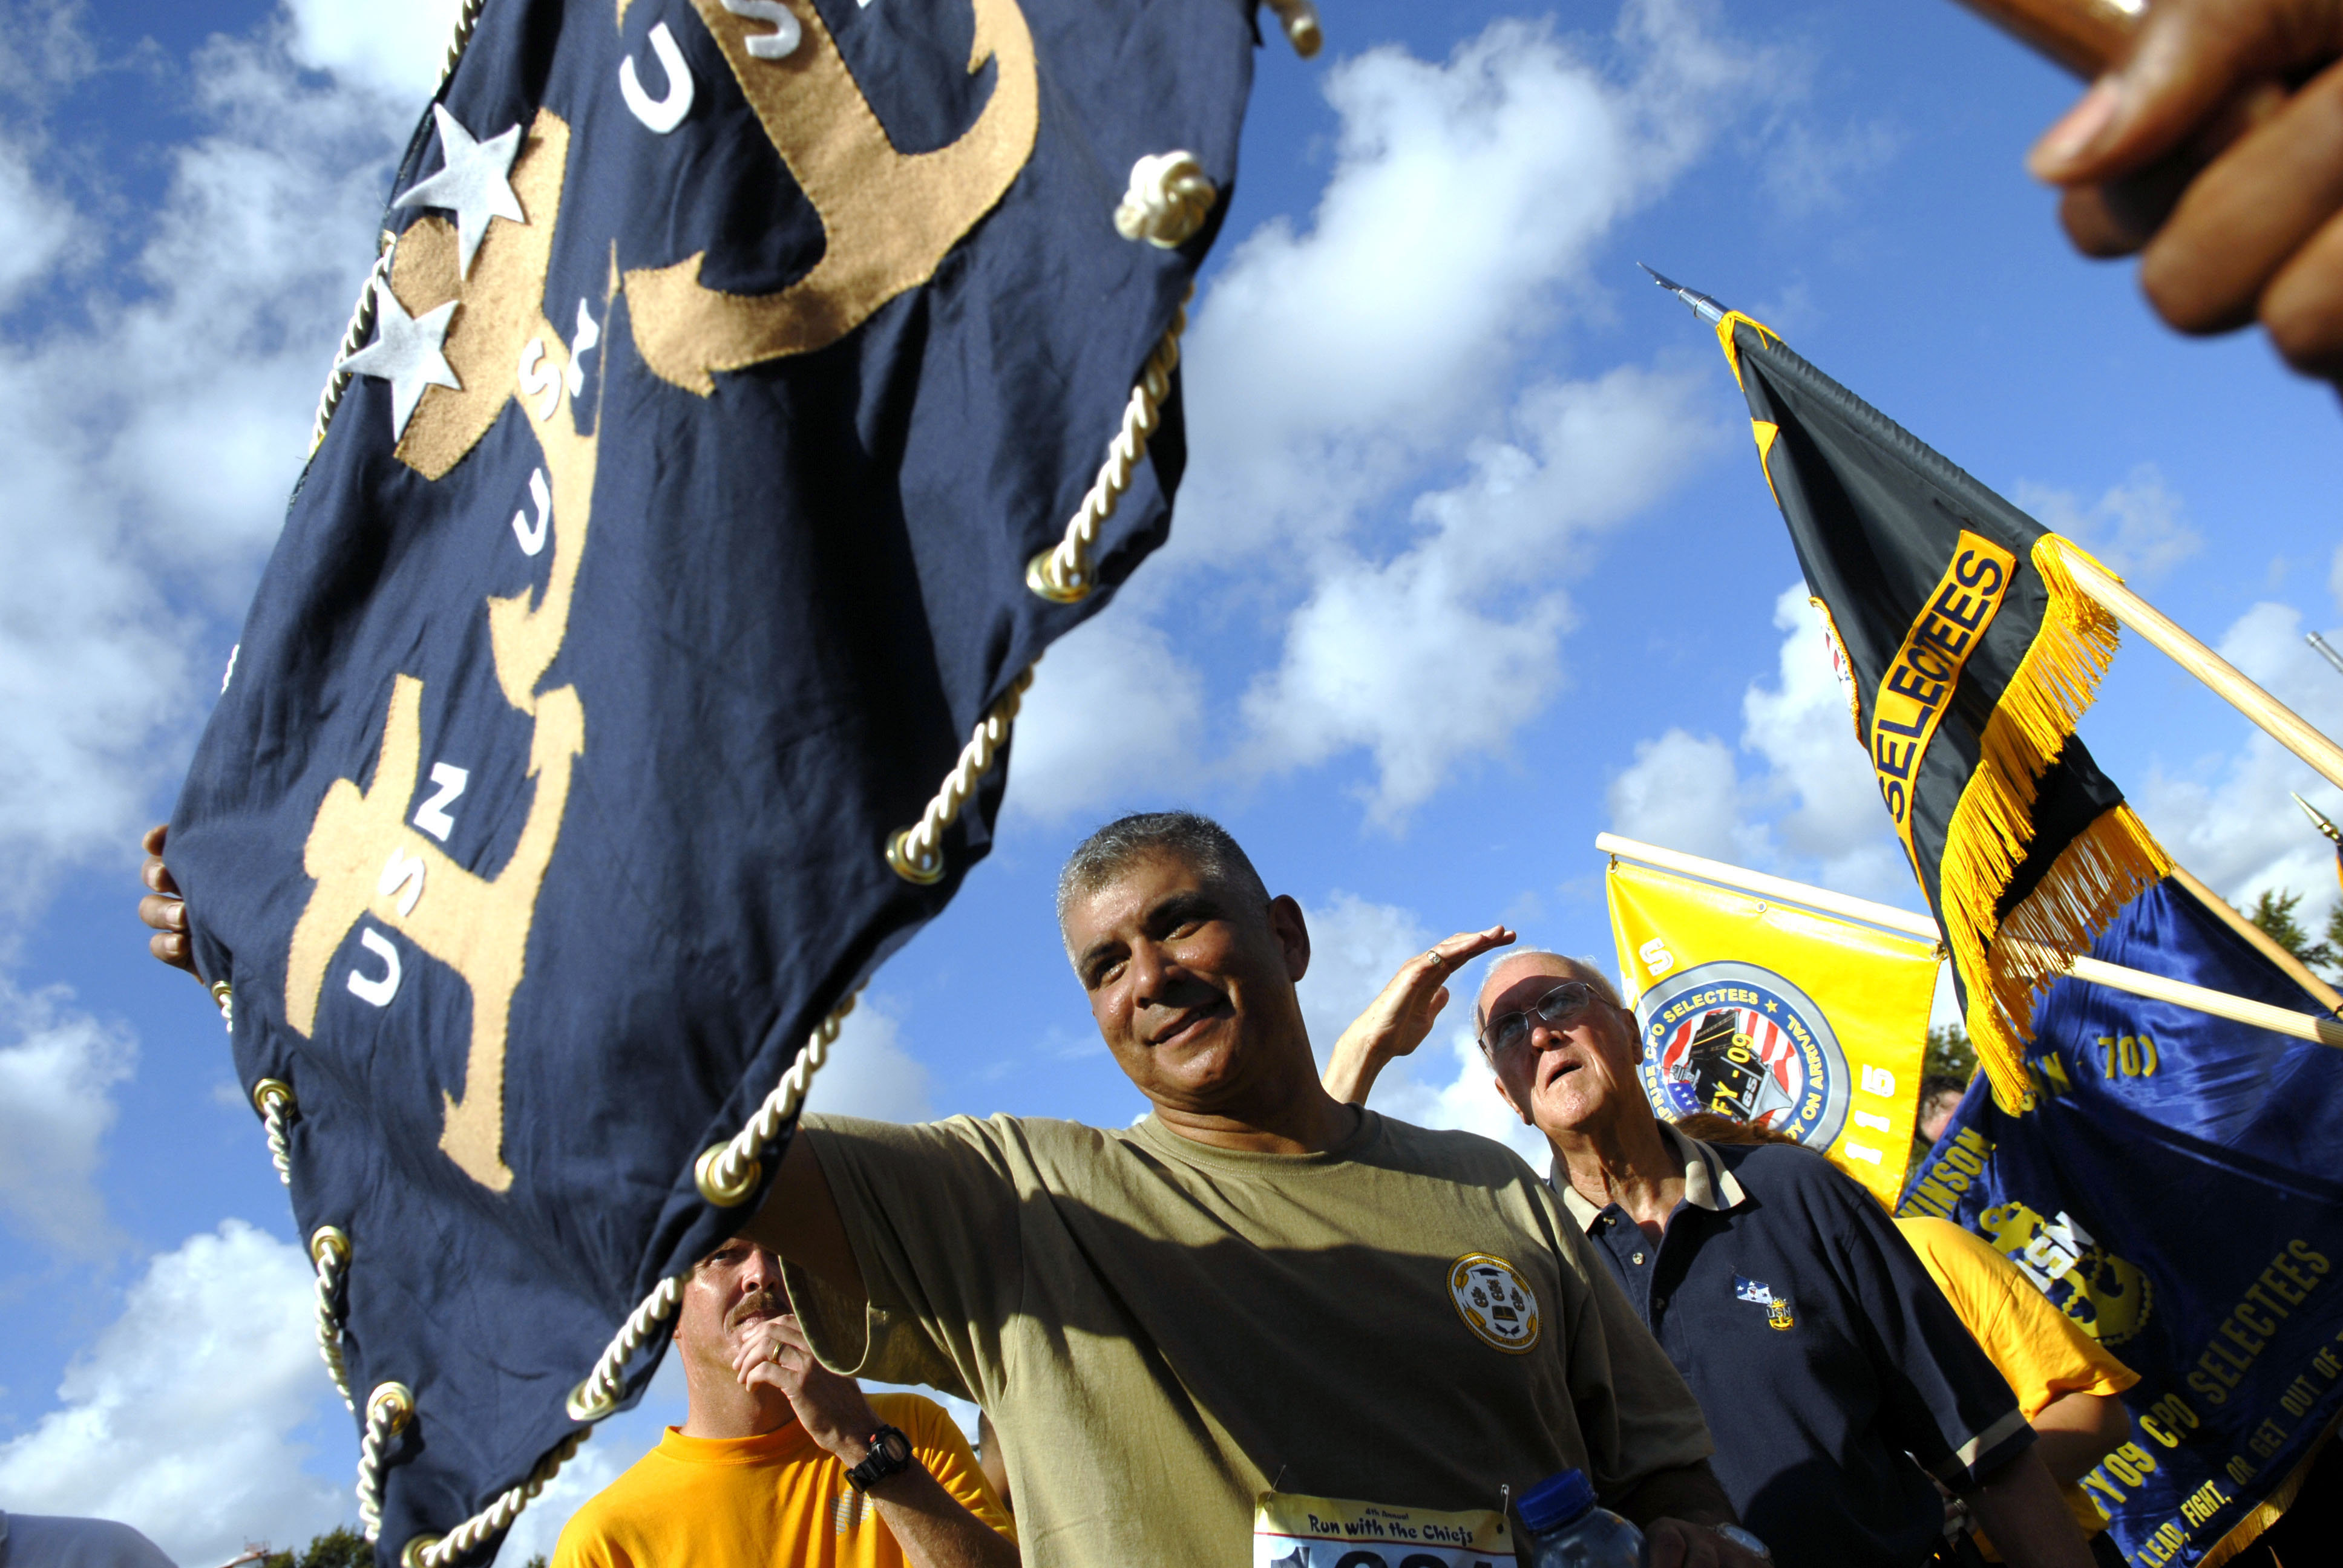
(1397, 1020)
(774, 1354)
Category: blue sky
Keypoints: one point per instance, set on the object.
(1474, 562)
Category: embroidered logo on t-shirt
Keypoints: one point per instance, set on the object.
(1494, 1301)
(1759, 1293)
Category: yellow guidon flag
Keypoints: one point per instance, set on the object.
(1769, 1012)
(1972, 653)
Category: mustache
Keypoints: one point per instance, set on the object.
(767, 1302)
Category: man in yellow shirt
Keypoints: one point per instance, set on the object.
(780, 1462)
(2066, 1386)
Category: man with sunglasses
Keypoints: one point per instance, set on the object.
(1822, 1353)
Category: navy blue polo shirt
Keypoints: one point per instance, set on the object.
(1819, 1349)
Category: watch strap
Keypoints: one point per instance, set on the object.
(883, 1460)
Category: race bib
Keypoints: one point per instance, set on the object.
(1291, 1531)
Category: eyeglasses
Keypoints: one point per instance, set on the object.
(1558, 1008)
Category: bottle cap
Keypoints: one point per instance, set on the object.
(1556, 1500)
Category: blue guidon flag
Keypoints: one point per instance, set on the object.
(731, 362)
(2172, 1188)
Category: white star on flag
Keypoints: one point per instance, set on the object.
(406, 352)
(475, 184)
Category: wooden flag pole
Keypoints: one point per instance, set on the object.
(1778, 887)
(2295, 968)
(2083, 35)
(2280, 722)
(2115, 977)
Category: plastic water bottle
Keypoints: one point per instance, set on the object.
(1565, 1530)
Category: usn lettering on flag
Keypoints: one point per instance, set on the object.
(747, 393)
(1973, 653)
(1767, 1012)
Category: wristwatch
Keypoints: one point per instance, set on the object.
(1742, 1539)
(890, 1454)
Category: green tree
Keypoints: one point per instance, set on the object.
(1950, 1054)
(2273, 911)
(341, 1547)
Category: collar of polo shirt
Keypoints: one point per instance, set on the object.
(1708, 1184)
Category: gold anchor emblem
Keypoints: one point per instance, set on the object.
(362, 851)
(888, 217)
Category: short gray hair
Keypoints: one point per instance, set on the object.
(1194, 840)
(1588, 969)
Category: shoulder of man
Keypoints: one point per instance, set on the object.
(996, 1131)
(1452, 1152)
(636, 1491)
(1790, 1170)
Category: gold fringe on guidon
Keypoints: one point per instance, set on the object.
(2106, 866)
(2247, 1531)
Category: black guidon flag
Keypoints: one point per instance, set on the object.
(733, 360)
(1972, 654)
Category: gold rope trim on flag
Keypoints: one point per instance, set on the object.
(1992, 828)
(2269, 1511)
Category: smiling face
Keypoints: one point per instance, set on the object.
(1565, 1079)
(1191, 983)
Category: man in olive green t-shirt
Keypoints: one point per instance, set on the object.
(1254, 1288)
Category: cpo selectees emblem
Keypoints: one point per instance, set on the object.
(1738, 1040)
(1494, 1301)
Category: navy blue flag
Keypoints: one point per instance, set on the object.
(733, 360)
(2178, 1191)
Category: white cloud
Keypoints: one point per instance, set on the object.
(1373, 658)
(1466, 200)
(2227, 817)
(1355, 947)
(155, 420)
(868, 1072)
(57, 1103)
(1113, 718)
(36, 229)
(1335, 362)
(179, 1417)
(1830, 820)
(393, 50)
(1808, 810)
(1683, 792)
(2137, 527)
